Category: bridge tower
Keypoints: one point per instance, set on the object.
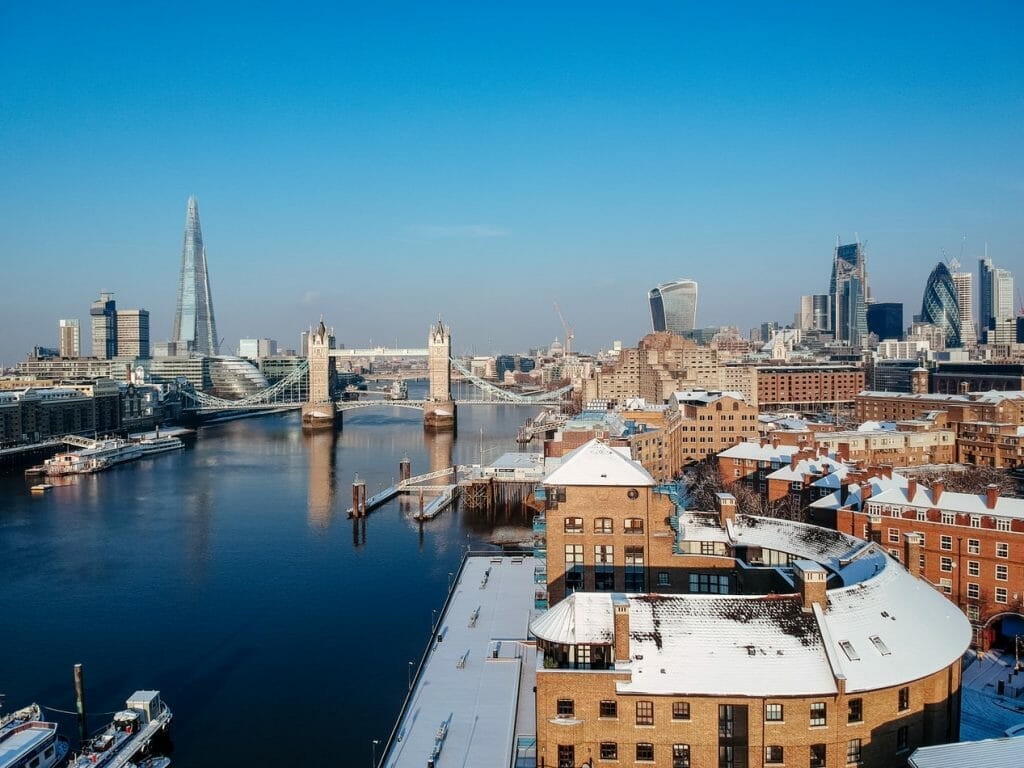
(439, 414)
(319, 411)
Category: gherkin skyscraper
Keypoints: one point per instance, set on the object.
(194, 326)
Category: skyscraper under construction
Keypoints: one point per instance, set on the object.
(195, 328)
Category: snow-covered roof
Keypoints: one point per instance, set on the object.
(879, 484)
(596, 463)
(704, 396)
(817, 466)
(886, 629)
(990, 753)
(758, 452)
(951, 501)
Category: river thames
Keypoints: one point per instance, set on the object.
(229, 577)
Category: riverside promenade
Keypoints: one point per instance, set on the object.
(472, 699)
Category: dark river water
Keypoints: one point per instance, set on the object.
(229, 577)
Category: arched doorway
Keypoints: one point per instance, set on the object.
(1005, 631)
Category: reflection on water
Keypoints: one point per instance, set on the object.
(220, 575)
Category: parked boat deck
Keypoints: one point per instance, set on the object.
(472, 699)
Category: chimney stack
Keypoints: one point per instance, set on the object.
(620, 606)
(726, 504)
(937, 488)
(812, 580)
(991, 495)
(912, 553)
(865, 493)
(794, 460)
(911, 489)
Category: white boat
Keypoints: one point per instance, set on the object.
(19, 716)
(31, 743)
(41, 487)
(398, 391)
(127, 735)
(91, 456)
(160, 444)
(158, 761)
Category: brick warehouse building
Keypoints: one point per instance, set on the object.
(971, 549)
(807, 647)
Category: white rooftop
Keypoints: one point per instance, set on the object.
(990, 753)
(950, 501)
(758, 452)
(596, 463)
(476, 673)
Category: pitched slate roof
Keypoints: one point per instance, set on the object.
(596, 463)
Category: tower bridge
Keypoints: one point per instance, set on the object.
(323, 407)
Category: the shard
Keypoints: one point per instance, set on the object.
(195, 329)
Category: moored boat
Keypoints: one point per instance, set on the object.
(19, 716)
(160, 444)
(41, 487)
(128, 734)
(31, 743)
(91, 456)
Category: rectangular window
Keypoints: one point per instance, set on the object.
(946, 585)
(818, 756)
(565, 708)
(1001, 572)
(948, 518)
(663, 579)
(680, 710)
(773, 713)
(973, 547)
(633, 525)
(1002, 524)
(574, 525)
(853, 752)
(644, 751)
(922, 516)
(680, 756)
(856, 711)
(975, 521)
(1002, 549)
(715, 584)
(904, 699)
(973, 591)
(634, 569)
(901, 738)
(974, 614)
(945, 564)
(603, 525)
(973, 568)
(608, 708)
(946, 543)
(645, 713)
(707, 547)
(566, 756)
(1000, 594)
(773, 754)
(609, 750)
(818, 713)
(894, 535)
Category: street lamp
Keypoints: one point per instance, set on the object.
(373, 760)
(410, 675)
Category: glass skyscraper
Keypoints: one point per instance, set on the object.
(195, 328)
(885, 320)
(674, 306)
(849, 290)
(940, 305)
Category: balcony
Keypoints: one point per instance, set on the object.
(540, 524)
(540, 599)
(540, 494)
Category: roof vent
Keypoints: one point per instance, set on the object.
(881, 647)
(849, 650)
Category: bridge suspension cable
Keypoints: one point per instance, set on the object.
(504, 394)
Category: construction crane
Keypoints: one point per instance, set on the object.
(569, 336)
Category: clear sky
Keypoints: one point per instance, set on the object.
(383, 162)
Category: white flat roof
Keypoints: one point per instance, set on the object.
(597, 463)
(461, 683)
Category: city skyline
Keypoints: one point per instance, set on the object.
(482, 163)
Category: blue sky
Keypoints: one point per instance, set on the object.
(380, 163)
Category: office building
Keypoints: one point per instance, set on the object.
(940, 305)
(256, 349)
(104, 327)
(850, 295)
(195, 328)
(70, 344)
(995, 312)
(674, 306)
(815, 312)
(885, 320)
(133, 333)
(964, 282)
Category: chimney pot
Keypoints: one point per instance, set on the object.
(937, 488)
